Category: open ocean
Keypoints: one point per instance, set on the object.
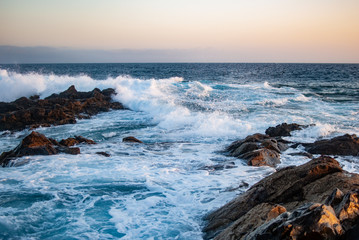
(185, 114)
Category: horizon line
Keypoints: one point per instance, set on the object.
(189, 62)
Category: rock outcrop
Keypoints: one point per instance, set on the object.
(75, 140)
(333, 220)
(258, 149)
(57, 109)
(342, 145)
(284, 129)
(37, 144)
(316, 208)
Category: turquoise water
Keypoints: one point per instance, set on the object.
(185, 114)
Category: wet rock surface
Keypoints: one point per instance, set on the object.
(342, 145)
(131, 139)
(38, 144)
(258, 149)
(265, 149)
(284, 129)
(308, 201)
(75, 140)
(57, 109)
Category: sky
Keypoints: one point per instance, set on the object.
(180, 31)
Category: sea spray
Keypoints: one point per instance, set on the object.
(162, 188)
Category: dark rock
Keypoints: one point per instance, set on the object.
(262, 157)
(70, 93)
(258, 149)
(342, 145)
(103, 154)
(68, 150)
(284, 129)
(290, 187)
(34, 97)
(56, 109)
(217, 167)
(304, 154)
(37, 144)
(131, 139)
(335, 198)
(76, 140)
(243, 184)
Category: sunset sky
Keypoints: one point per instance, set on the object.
(218, 30)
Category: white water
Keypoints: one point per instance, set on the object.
(154, 190)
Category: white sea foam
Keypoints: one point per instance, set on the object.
(313, 133)
(274, 102)
(160, 99)
(198, 89)
(266, 85)
(302, 98)
(109, 135)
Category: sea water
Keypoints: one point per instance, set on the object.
(185, 114)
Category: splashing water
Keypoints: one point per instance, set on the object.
(158, 190)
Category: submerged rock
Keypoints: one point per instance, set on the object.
(57, 109)
(342, 145)
(258, 149)
(37, 144)
(220, 166)
(105, 154)
(295, 189)
(131, 139)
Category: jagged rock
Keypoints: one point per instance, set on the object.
(252, 219)
(131, 139)
(258, 149)
(284, 129)
(290, 187)
(76, 140)
(56, 109)
(335, 219)
(310, 221)
(37, 144)
(342, 145)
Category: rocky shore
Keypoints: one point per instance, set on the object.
(265, 149)
(317, 200)
(57, 109)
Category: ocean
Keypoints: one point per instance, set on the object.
(185, 113)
